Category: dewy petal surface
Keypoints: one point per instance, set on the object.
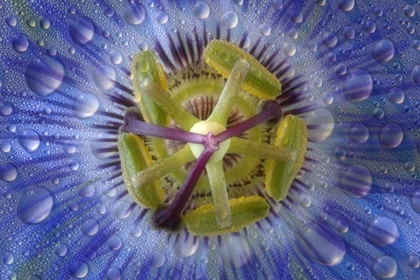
(349, 68)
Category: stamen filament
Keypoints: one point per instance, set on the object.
(163, 167)
(232, 87)
(133, 125)
(261, 150)
(219, 193)
(273, 110)
(181, 116)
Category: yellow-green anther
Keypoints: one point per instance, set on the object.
(134, 158)
(261, 150)
(219, 193)
(292, 134)
(163, 167)
(147, 67)
(232, 87)
(181, 116)
(222, 56)
(244, 210)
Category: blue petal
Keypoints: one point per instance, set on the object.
(350, 68)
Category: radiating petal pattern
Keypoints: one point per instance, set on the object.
(349, 68)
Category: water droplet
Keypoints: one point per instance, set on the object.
(81, 30)
(265, 29)
(104, 77)
(384, 51)
(384, 268)
(359, 133)
(322, 122)
(114, 243)
(5, 146)
(90, 227)
(29, 140)
(201, 10)
(136, 231)
(409, 166)
(349, 32)
(79, 269)
(358, 86)
(296, 16)
(174, 274)
(329, 40)
(415, 201)
(340, 69)
(346, 5)
(289, 49)
(61, 249)
(378, 113)
(104, 145)
(6, 108)
(8, 258)
(44, 75)
(229, 20)
(115, 57)
(328, 98)
(416, 44)
(162, 17)
(35, 205)
(158, 259)
(305, 200)
(8, 172)
(11, 21)
(135, 14)
(74, 165)
(235, 251)
(409, 10)
(415, 75)
(382, 231)
(391, 136)
(370, 27)
(122, 210)
(321, 244)
(396, 95)
(85, 105)
(185, 244)
(356, 181)
(20, 43)
(413, 261)
(113, 274)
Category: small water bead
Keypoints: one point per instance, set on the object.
(104, 144)
(5, 146)
(358, 86)
(61, 249)
(321, 3)
(79, 269)
(413, 261)
(384, 51)
(346, 5)
(382, 231)
(135, 14)
(104, 77)
(74, 165)
(265, 29)
(158, 259)
(81, 30)
(329, 40)
(342, 226)
(162, 17)
(11, 21)
(136, 231)
(340, 153)
(415, 75)
(115, 57)
(350, 266)
(378, 113)
(416, 44)
(35, 205)
(349, 32)
(305, 200)
(293, 33)
(370, 27)
(45, 23)
(229, 20)
(143, 46)
(324, 122)
(8, 258)
(185, 244)
(289, 49)
(114, 243)
(122, 210)
(396, 95)
(6, 108)
(69, 148)
(409, 166)
(44, 75)
(359, 133)
(321, 244)
(174, 274)
(277, 4)
(20, 43)
(239, 2)
(355, 181)
(8, 172)
(85, 105)
(296, 17)
(90, 227)
(391, 136)
(328, 98)
(415, 201)
(113, 273)
(201, 10)
(235, 251)
(340, 69)
(409, 10)
(384, 268)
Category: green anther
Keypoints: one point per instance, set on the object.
(147, 67)
(222, 56)
(219, 193)
(292, 134)
(134, 158)
(244, 210)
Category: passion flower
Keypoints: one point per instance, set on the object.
(176, 149)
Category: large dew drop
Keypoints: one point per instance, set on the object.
(384, 268)
(8, 172)
(44, 75)
(85, 105)
(201, 10)
(384, 51)
(104, 77)
(135, 14)
(81, 30)
(356, 181)
(29, 140)
(20, 43)
(235, 251)
(391, 136)
(229, 20)
(358, 86)
(35, 205)
(382, 231)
